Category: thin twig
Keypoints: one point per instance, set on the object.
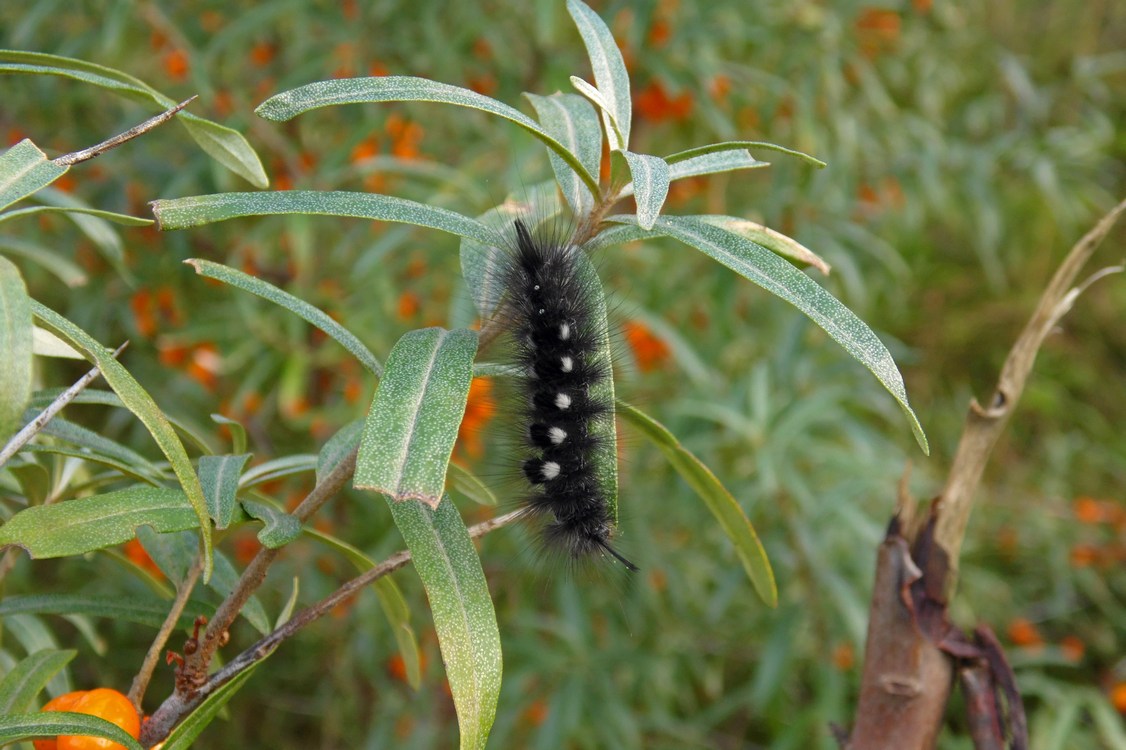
(152, 658)
(34, 426)
(89, 153)
(178, 706)
(984, 425)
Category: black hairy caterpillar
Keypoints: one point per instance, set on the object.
(557, 331)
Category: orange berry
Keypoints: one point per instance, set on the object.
(104, 703)
(1118, 697)
(1024, 633)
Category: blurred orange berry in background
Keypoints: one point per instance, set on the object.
(104, 703)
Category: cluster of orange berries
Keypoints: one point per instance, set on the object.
(104, 703)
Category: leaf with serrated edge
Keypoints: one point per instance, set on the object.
(464, 618)
(755, 263)
(719, 501)
(16, 343)
(79, 526)
(289, 104)
(411, 428)
(16, 727)
(138, 401)
(298, 307)
(25, 680)
(24, 169)
(571, 120)
(609, 68)
(219, 476)
(650, 184)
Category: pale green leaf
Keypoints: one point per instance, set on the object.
(141, 404)
(46, 344)
(289, 104)
(116, 218)
(769, 239)
(24, 170)
(78, 526)
(724, 161)
(219, 476)
(25, 680)
(62, 268)
(756, 263)
(279, 528)
(574, 123)
(465, 482)
(464, 618)
(298, 307)
(608, 66)
(16, 727)
(276, 469)
(337, 448)
(650, 185)
(411, 428)
(149, 612)
(613, 133)
(719, 501)
(15, 349)
(714, 148)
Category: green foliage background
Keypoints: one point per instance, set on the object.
(969, 147)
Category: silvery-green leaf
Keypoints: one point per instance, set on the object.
(738, 146)
(609, 68)
(650, 185)
(116, 218)
(614, 135)
(289, 104)
(15, 348)
(723, 161)
(574, 123)
(279, 528)
(414, 419)
(148, 612)
(769, 239)
(24, 169)
(219, 476)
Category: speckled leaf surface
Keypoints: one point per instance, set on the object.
(16, 727)
(278, 527)
(27, 678)
(756, 263)
(719, 501)
(411, 428)
(138, 401)
(609, 68)
(738, 146)
(724, 161)
(116, 218)
(769, 239)
(16, 343)
(79, 526)
(650, 177)
(219, 476)
(288, 104)
(24, 169)
(574, 123)
(226, 146)
(464, 619)
(298, 307)
(181, 213)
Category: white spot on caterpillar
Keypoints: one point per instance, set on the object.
(564, 331)
(562, 401)
(567, 363)
(550, 470)
(557, 435)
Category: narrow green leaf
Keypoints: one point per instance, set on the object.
(610, 125)
(467, 483)
(98, 230)
(279, 528)
(650, 185)
(186, 732)
(391, 601)
(25, 680)
(464, 618)
(223, 144)
(100, 446)
(338, 447)
(290, 603)
(149, 612)
(574, 123)
(726, 161)
(719, 501)
(15, 349)
(16, 727)
(116, 218)
(714, 148)
(769, 239)
(46, 344)
(289, 104)
(24, 170)
(276, 469)
(755, 263)
(609, 68)
(79, 526)
(298, 307)
(141, 404)
(238, 432)
(180, 213)
(219, 477)
(62, 268)
(411, 428)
